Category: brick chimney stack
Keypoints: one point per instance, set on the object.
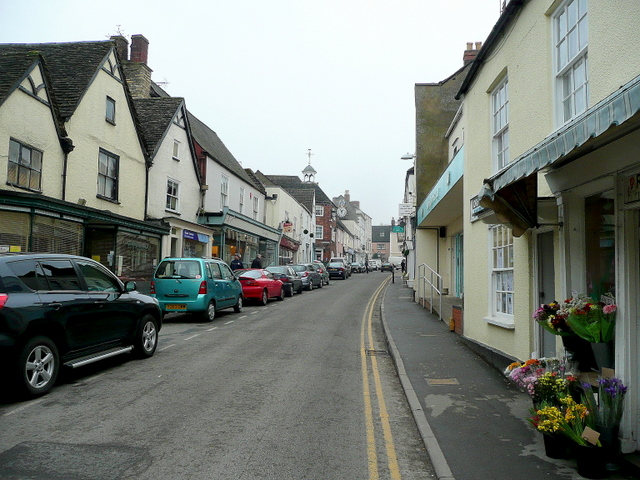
(347, 197)
(471, 52)
(137, 72)
(139, 49)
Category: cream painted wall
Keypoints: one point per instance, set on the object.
(525, 55)
(212, 196)
(30, 122)
(90, 131)
(183, 171)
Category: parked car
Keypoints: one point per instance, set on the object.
(344, 261)
(386, 267)
(357, 267)
(290, 280)
(260, 285)
(309, 275)
(196, 285)
(322, 269)
(337, 269)
(68, 310)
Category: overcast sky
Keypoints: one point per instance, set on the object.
(275, 78)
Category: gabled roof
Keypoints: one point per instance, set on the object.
(72, 67)
(255, 181)
(14, 68)
(304, 197)
(155, 116)
(293, 183)
(213, 146)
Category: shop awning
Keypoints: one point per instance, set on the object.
(509, 192)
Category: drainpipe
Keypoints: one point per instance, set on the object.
(67, 147)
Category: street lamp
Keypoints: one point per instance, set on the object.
(407, 156)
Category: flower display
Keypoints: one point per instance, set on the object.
(543, 379)
(553, 319)
(608, 406)
(569, 418)
(593, 321)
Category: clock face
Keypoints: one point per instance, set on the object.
(342, 212)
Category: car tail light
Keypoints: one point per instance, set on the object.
(203, 288)
(153, 287)
(305, 274)
(3, 299)
(250, 283)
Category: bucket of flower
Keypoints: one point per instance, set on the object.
(553, 318)
(594, 322)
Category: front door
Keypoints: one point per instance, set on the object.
(546, 290)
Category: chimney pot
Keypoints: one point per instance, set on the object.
(139, 49)
(469, 45)
(478, 45)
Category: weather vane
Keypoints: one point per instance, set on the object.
(309, 155)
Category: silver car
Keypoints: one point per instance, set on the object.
(309, 274)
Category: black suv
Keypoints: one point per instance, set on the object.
(68, 310)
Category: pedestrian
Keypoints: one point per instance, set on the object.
(366, 265)
(257, 262)
(236, 263)
(403, 266)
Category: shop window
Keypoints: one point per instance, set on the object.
(600, 244)
(24, 166)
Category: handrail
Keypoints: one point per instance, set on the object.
(428, 276)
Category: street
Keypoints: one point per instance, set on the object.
(301, 388)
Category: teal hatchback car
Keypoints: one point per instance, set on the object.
(196, 285)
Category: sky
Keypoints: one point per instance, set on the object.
(279, 78)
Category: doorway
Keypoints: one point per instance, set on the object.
(546, 290)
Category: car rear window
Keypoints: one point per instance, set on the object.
(335, 265)
(299, 268)
(24, 275)
(179, 269)
(251, 274)
(278, 270)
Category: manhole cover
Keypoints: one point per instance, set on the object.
(377, 353)
(442, 381)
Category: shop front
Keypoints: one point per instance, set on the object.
(288, 250)
(234, 233)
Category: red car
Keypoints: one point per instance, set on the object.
(259, 284)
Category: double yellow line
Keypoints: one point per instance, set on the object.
(367, 343)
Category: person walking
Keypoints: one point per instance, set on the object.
(236, 263)
(257, 262)
(366, 265)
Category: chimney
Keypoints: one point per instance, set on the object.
(122, 46)
(139, 49)
(347, 197)
(470, 53)
(137, 72)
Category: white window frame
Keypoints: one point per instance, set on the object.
(224, 191)
(500, 124)
(319, 232)
(241, 201)
(571, 32)
(173, 195)
(256, 206)
(110, 112)
(319, 210)
(176, 150)
(501, 283)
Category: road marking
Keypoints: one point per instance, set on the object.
(366, 344)
(214, 328)
(192, 336)
(23, 407)
(230, 321)
(168, 346)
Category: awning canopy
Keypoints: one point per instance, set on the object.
(511, 192)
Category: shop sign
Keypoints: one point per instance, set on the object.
(289, 244)
(632, 188)
(198, 237)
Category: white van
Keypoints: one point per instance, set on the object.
(396, 261)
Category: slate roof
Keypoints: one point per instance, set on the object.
(304, 196)
(72, 66)
(293, 183)
(155, 116)
(255, 181)
(211, 143)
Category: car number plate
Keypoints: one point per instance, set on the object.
(176, 306)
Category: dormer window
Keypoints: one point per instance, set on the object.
(111, 111)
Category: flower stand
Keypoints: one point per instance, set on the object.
(556, 446)
(604, 354)
(581, 352)
(591, 461)
(611, 446)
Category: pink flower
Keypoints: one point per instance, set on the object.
(607, 309)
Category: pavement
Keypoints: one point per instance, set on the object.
(471, 418)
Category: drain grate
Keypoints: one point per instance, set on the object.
(378, 353)
(442, 381)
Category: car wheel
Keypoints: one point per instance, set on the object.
(147, 337)
(38, 366)
(309, 287)
(320, 283)
(326, 282)
(289, 292)
(299, 291)
(265, 298)
(210, 312)
(238, 306)
(281, 295)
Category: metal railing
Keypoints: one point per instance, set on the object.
(430, 281)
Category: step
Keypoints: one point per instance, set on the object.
(95, 357)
